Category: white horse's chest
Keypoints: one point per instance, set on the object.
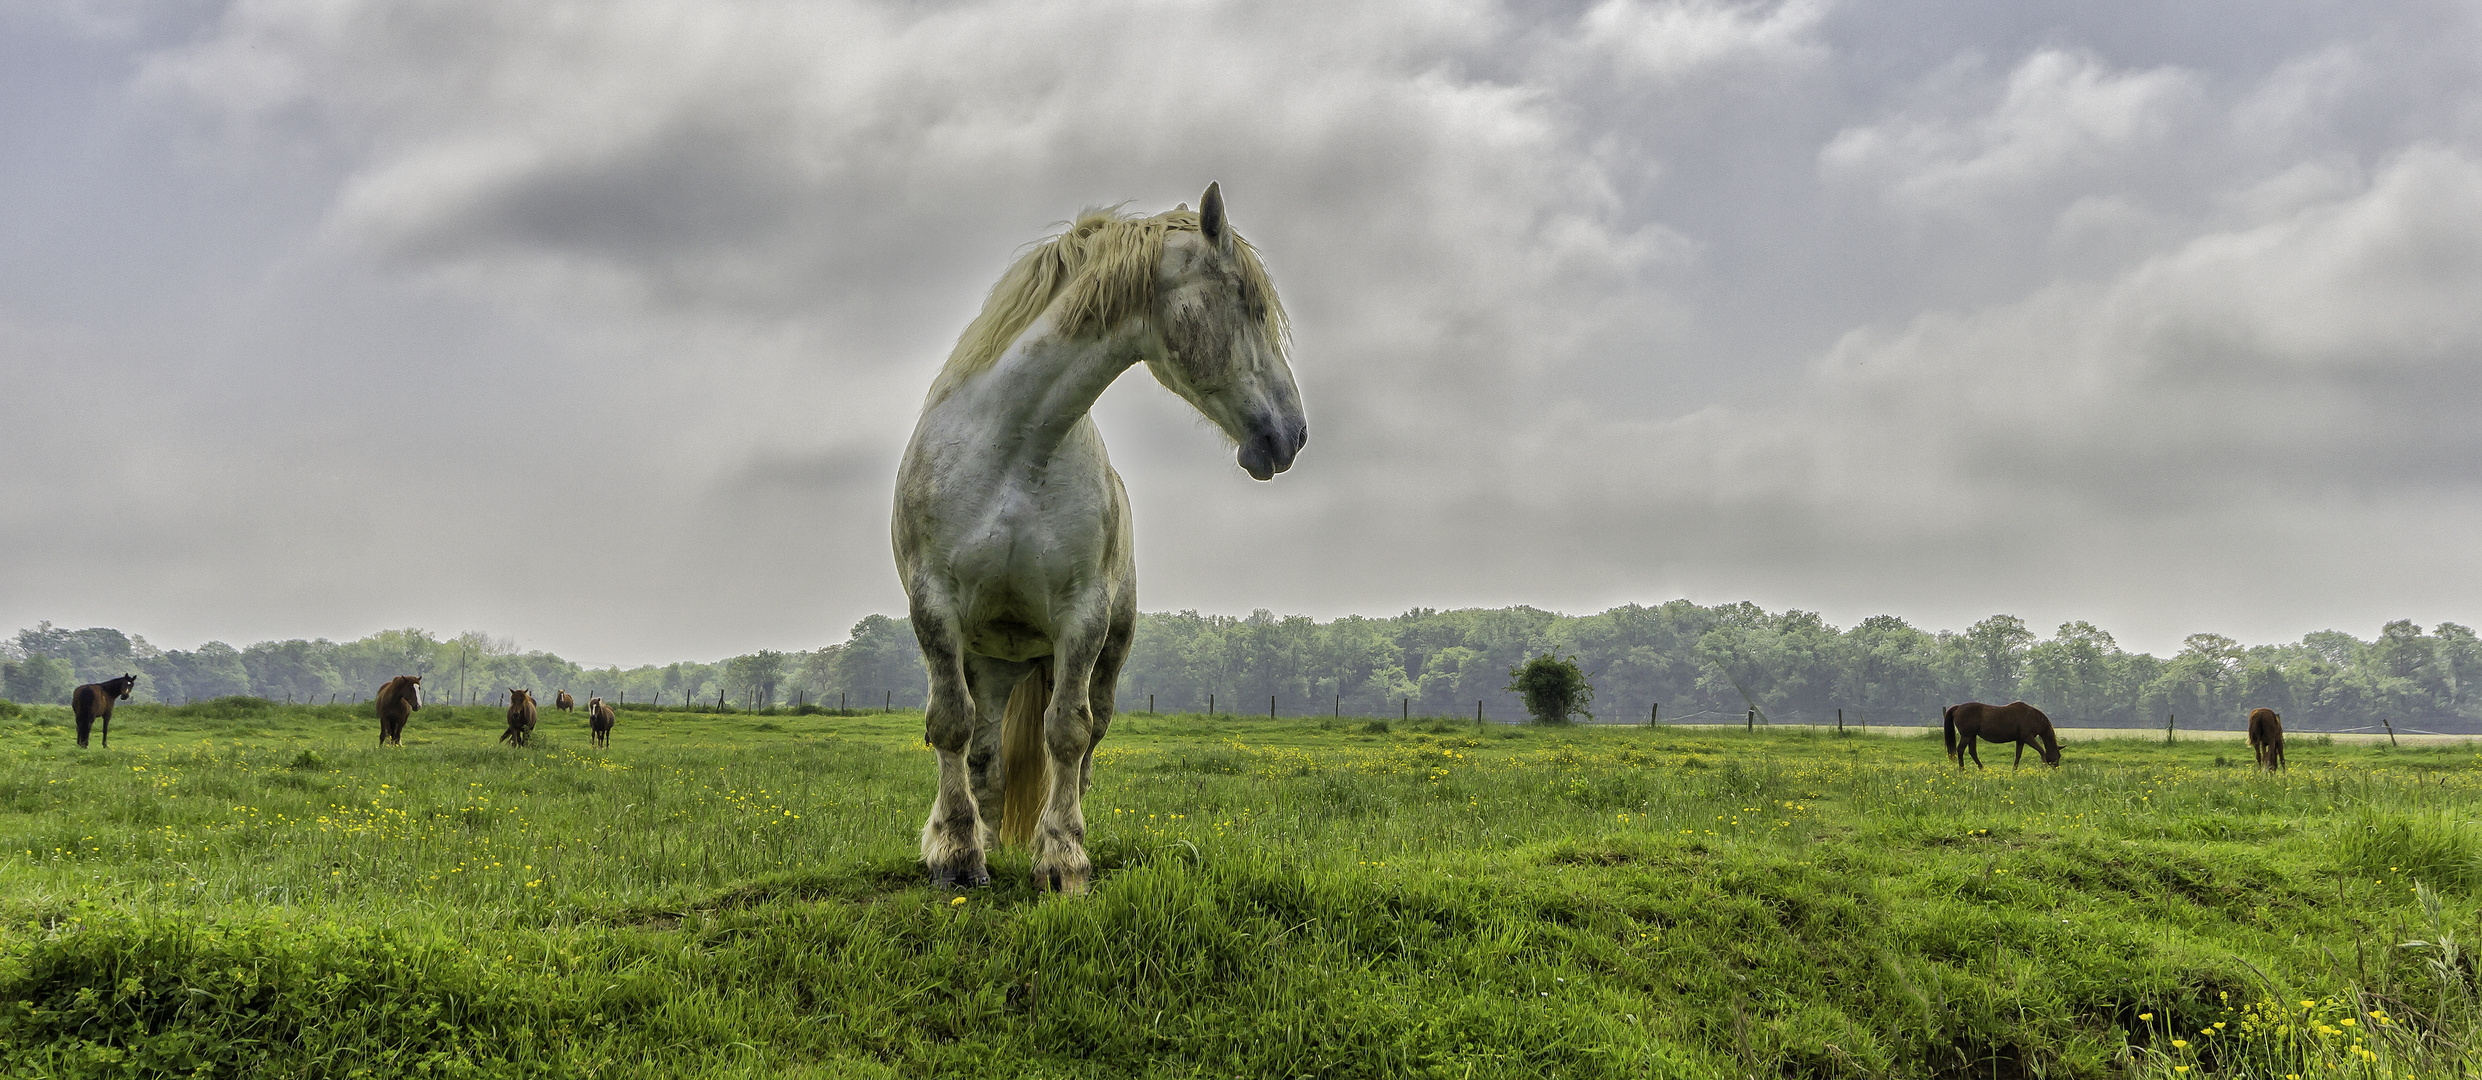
(1017, 542)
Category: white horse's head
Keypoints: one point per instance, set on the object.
(1221, 344)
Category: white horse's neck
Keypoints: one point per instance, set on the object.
(1040, 388)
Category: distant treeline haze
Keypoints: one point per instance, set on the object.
(1699, 662)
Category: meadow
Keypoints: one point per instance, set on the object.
(242, 889)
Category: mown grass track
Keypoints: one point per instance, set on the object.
(242, 890)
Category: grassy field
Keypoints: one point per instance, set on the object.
(238, 889)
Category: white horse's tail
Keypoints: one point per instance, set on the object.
(1024, 763)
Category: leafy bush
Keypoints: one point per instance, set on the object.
(1553, 689)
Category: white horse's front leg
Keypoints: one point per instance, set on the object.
(952, 838)
(1060, 862)
(990, 681)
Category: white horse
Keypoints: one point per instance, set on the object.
(1012, 530)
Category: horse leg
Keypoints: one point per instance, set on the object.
(1103, 689)
(1060, 862)
(107, 729)
(1971, 749)
(952, 837)
(2020, 762)
(990, 681)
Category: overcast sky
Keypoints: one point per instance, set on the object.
(601, 324)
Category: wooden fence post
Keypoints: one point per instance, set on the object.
(1751, 723)
(1404, 710)
(1150, 703)
(1271, 706)
(1654, 712)
(1839, 721)
(2167, 727)
(1477, 716)
(1210, 706)
(2391, 731)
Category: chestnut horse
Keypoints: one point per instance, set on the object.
(564, 702)
(94, 700)
(520, 718)
(2015, 722)
(599, 719)
(397, 702)
(2266, 738)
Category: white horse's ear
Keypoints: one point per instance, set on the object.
(1181, 209)
(1211, 214)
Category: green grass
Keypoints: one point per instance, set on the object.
(239, 889)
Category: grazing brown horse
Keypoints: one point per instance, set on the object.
(2266, 738)
(94, 700)
(599, 718)
(2015, 722)
(397, 702)
(564, 702)
(520, 718)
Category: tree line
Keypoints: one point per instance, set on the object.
(1698, 661)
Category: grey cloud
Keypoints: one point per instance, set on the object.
(1931, 308)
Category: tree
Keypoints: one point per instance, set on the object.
(38, 680)
(883, 655)
(2070, 675)
(817, 670)
(1997, 648)
(93, 654)
(1552, 689)
(757, 676)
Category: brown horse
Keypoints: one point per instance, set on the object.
(397, 702)
(94, 700)
(2266, 738)
(599, 718)
(2015, 722)
(520, 718)
(564, 702)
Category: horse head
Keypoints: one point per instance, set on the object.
(127, 683)
(1220, 330)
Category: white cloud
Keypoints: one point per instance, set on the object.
(1670, 42)
(2062, 120)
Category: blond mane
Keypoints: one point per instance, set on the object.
(1090, 277)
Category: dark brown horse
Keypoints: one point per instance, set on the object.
(520, 718)
(397, 702)
(2266, 738)
(599, 718)
(2015, 722)
(93, 701)
(564, 702)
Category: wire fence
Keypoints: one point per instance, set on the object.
(1851, 719)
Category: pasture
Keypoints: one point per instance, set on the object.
(240, 889)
